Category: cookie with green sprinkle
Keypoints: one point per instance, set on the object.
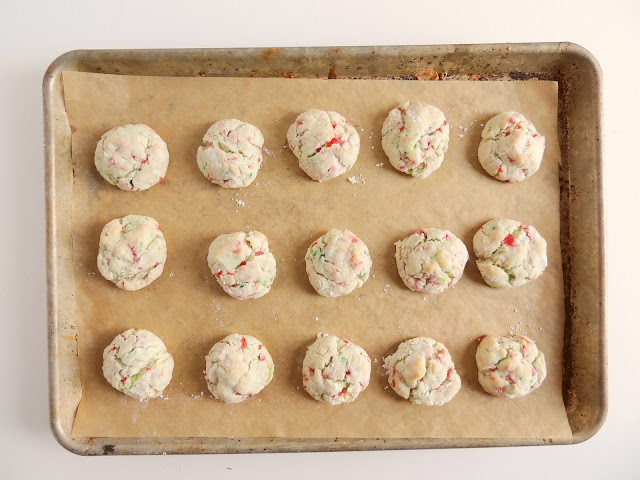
(334, 370)
(138, 364)
(509, 253)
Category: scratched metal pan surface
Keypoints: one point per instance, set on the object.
(582, 217)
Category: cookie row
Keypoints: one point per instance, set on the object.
(334, 370)
(415, 137)
(133, 251)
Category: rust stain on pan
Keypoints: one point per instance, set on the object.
(269, 52)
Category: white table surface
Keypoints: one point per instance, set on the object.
(34, 33)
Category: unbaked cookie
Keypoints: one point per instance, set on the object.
(138, 364)
(231, 153)
(337, 263)
(509, 366)
(132, 157)
(335, 371)
(132, 251)
(509, 253)
(238, 367)
(422, 371)
(242, 264)
(431, 260)
(415, 137)
(324, 143)
(511, 149)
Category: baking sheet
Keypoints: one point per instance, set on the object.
(189, 311)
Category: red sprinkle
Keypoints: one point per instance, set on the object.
(331, 142)
(507, 134)
(219, 274)
(261, 357)
(402, 129)
(243, 344)
(242, 264)
(509, 240)
(312, 371)
(259, 252)
(124, 379)
(511, 120)
(161, 179)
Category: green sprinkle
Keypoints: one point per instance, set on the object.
(133, 377)
(344, 359)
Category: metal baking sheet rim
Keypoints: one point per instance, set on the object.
(581, 177)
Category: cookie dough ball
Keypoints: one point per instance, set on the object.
(509, 253)
(415, 137)
(231, 153)
(132, 251)
(422, 371)
(238, 367)
(324, 143)
(337, 263)
(242, 264)
(511, 149)
(137, 364)
(509, 366)
(132, 157)
(431, 260)
(335, 371)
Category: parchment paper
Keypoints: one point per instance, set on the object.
(190, 312)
